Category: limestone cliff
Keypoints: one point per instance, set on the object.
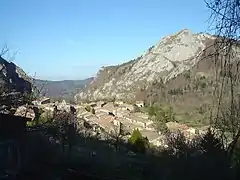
(168, 58)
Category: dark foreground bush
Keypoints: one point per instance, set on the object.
(90, 158)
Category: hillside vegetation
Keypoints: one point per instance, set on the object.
(58, 90)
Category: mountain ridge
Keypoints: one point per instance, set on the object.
(171, 56)
(14, 85)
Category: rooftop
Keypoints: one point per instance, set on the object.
(109, 106)
(43, 99)
(177, 126)
(151, 135)
(137, 118)
(90, 116)
(105, 121)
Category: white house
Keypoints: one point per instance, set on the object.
(140, 103)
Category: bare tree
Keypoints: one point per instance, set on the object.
(4, 50)
(225, 21)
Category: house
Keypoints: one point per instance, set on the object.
(136, 119)
(109, 107)
(43, 100)
(140, 103)
(119, 102)
(188, 132)
(101, 103)
(127, 107)
(174, 126)
(116, 122)
(93, 104)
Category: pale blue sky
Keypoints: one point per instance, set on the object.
(72, 39)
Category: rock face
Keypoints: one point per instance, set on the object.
(14, 83)
(167, 59)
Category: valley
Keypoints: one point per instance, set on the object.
(160, 98)
(108, 120)
(176, 76)
(59, 90)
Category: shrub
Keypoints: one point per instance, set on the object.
(151, 111)
(137, 141)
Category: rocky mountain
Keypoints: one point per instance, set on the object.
(167, 59)
(64, 89)
(179, 71)
(14, 85)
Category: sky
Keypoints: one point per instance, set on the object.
(72, 39)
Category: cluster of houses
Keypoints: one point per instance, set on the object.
(111, 115)
(108, 115)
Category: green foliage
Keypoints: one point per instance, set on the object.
(160, 114)
(151, 111)
(136, 135)
(169, 115)
(43, 118)
(138, 142)
(31, 123)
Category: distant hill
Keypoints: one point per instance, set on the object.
(65, 89)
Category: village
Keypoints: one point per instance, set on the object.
(110, 116)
